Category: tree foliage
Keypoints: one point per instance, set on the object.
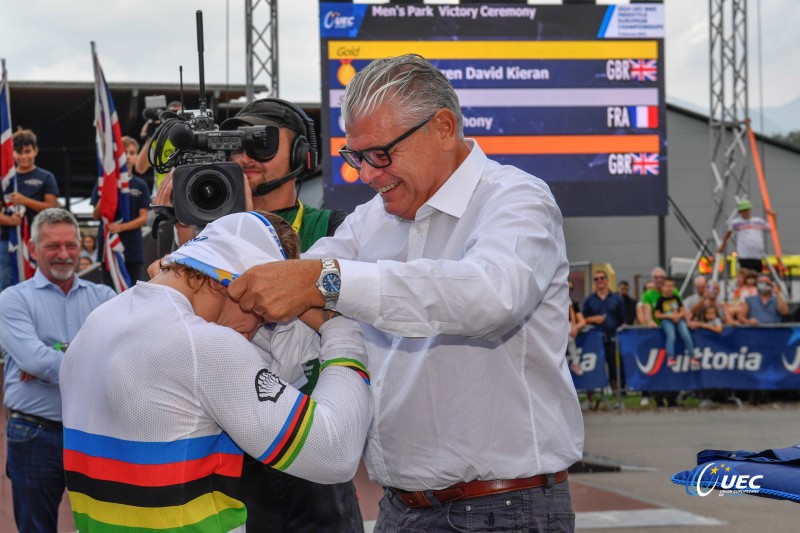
(793, 137)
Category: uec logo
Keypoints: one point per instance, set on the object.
(334, 19)
(729, 481)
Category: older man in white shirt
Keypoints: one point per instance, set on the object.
(457, 271)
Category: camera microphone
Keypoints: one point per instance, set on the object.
(181, 136)
(268, 187)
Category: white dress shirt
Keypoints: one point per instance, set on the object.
(465, 318)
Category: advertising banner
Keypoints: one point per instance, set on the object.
(591, 360)
(573, 94)
(740, 358)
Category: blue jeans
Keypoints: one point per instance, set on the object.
(35, 466)
(539, 510)
(5, 266)
(669, 328)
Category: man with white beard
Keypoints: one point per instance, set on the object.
(38, 319)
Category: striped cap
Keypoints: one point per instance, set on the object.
(230, 245)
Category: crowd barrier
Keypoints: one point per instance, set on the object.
(740, 358)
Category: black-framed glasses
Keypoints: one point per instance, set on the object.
(599, 278)
(378, 156)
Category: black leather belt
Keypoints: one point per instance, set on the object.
(38, 420)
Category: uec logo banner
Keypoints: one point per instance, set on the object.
(773, 473)
(341, 19)
(763, 358)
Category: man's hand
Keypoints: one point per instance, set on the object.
(280, 290)
(25, 377)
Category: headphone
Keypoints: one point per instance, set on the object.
(303, 154)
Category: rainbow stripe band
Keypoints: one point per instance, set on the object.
(287, 445)
(117, 485)
(353, 364)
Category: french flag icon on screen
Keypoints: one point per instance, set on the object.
(643, 116)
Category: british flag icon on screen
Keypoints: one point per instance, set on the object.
(644, 69)
(644, 164)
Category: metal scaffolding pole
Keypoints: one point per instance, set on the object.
(261, 47)
(730, 159)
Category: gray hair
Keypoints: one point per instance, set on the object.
(658, 270)
(409, 82)
(52, 215)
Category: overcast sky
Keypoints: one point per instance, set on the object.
(146, 40)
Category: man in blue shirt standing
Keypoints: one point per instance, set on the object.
(38, 319)
(606, 310)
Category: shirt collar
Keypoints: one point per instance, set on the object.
(454, 195)
(40, 281)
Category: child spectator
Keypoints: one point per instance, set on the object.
(84, 263)
(710, 319)
(89, 247)
(670, 311)
(36, 190)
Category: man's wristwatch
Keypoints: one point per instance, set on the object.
(329, 283)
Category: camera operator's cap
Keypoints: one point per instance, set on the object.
(266, 112)
(230, 245)
(744, 205)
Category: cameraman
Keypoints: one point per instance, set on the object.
(275, 501)
(146, 136)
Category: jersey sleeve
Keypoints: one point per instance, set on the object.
(318, 437)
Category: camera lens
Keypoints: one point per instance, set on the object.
(209, 191)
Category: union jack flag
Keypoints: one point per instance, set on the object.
(23, 266)
(644, 69)
(113, 182)
(644, 164)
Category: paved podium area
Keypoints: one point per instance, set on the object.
(647, 447)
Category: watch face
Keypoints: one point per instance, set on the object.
(331, 283)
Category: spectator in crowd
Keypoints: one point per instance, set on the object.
(697, 299)
(742, 292)
(457, 271)
(606, 310)
(277, 501)
(624, 291)
(650, 297)
(648, 303)
(767, 307)
(750, 249)
(705, 293)
(36, 189)
(195, 419)
(576, 323)
(710, 319)
(132, 150)
(38, 319)
(642, 313)
(89, 247)
(669, 310)
(84, 263)
(130, 232)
